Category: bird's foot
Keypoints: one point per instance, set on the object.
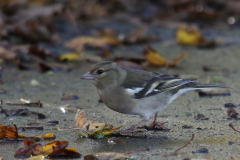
(134, 128)
(155, 126)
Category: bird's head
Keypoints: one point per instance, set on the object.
(105, 74)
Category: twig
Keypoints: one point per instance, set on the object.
(185, 144)
(138, 150)
(38, 128)
(16, 129)
(39, 103)
(4, 111)
(12, 79)
(230, 125)
(8, 103)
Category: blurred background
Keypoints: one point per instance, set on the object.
(35, 33)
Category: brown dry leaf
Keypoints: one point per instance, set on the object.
(155, 59)
(49, 136)
(80, 118)
(64, 153)
(11, 132)
(232, 113)
(91, 128)
(99, 42)
(39, 52)
(188, 35)
(2, 131)
(7, 54)
(48, 148)
(30, 149)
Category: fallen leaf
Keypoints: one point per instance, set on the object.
(80, 118)
(30, 149)
(89, 128)
(155, 59)
(98, 42)
(232, 113)
(49, 136)
(38, 52)
(48, 148)
(11, 132)
(39, 157)
(63, 153)
(188, 35)
(191, 35)
(67, 57)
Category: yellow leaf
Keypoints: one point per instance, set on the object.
(106, 132)
(71, 149)
(49, 135)
(188, 35)
(39, 157)
(70, 56)
(48, 148)
(155, 59)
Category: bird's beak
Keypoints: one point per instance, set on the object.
(88, 76)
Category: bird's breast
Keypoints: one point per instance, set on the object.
(117, 101)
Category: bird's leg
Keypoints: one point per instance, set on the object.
(155, 123)
(133, 127)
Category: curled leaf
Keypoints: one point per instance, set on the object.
(48, 148)
(154, 58)
(70, 56)
(80, 118)
(188, 35)
(49, 136)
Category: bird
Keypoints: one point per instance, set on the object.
(139, 92)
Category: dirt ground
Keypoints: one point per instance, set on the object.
(213, 134)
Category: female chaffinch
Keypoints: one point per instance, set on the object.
(138, 92)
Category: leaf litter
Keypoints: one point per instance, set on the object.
(56, 149)
(91, 129)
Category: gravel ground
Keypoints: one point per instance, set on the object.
(214, 134)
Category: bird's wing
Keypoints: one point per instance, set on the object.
(157, 84)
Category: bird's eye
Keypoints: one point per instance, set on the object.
(100, 71)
